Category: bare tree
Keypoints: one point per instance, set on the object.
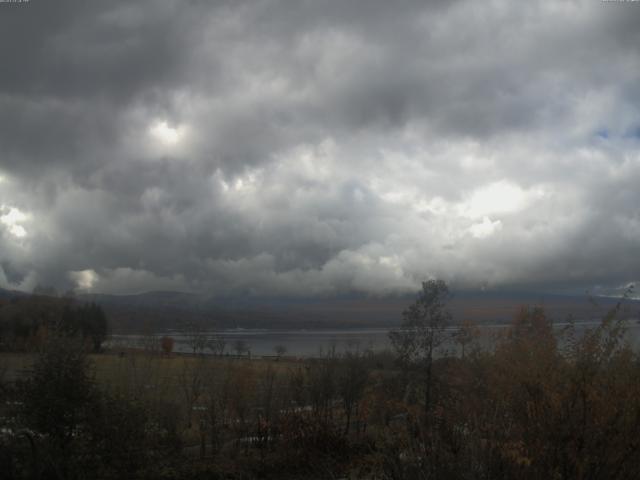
(422, 332)
(280, 350)
(351, 384)
(218, 386)
(242, 399)
(321, 378)
(216, 344)
(195, 336)
(466, 334)
(240, 346)
(191, 379)
(267, 396)
(148, 341)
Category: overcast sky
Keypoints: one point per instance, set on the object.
(319, 147)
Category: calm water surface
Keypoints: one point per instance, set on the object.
(310, 343)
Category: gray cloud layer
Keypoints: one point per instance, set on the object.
(319, 147)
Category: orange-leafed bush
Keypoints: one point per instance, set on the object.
(167, 343)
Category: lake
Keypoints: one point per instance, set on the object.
(312, 343)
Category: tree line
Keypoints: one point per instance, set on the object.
(26, 322)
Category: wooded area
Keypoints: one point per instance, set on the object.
(532, 407)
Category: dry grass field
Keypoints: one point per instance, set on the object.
(185, 384)
(137, 368)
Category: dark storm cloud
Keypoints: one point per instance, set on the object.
(318, 147)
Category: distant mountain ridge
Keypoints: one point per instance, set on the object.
(164, 310)
(8, 294)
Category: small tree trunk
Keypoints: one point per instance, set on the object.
(203, 442)
(427, 387)
(348, 425)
